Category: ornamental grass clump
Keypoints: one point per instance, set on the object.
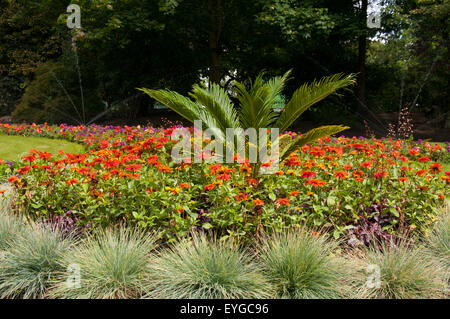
(303, 264)
(404, 272)
(206, 268)
(30, 263)
(438, 242)
(10, 228)
(112, 265)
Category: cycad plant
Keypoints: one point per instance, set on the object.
(214, 107)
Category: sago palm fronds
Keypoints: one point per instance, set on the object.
(215, 109)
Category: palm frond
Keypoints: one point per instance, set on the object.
(176, 102)
(256, 103)
(309, 137)
(309, 94)
(217, 104)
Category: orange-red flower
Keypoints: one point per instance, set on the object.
(380, 175)
(366, 164)
(258, 202)
(283, 201)
(307, 174)
(315, 182)
(13, 179)
(340, 174)
(423, 159)
(72, 181)
(435, 168)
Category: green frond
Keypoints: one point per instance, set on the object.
(176, 102)
(309, 94)
(309, 137)
(256, 103)
(217, 104)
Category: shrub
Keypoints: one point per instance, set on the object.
(28, 265)
(303, 265)
(405, 273)
(205, 268)
(114, 264)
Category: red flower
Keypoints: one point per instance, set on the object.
(242, 197)
(340, 174)
(72, 181)
(366, 164)
(45, 156)
(435, 168)
(315, 182)
(283, 201)
(308, 174)
(258, 202)
(104, 144)
(13, 179)
(423, 159)
(30, 158)
(420, 172)
(224, 177)
(380, 175)
(209, 187)
(294, 193)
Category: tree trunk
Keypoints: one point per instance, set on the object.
(216, 23)
(362, 50)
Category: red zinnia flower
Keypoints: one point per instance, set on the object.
(258, 202)
(420, 172)
(104, 144)
(72, 181)
(380, 175)
(308, 174)
(435, 168)
(13, 179)
(366, 164)
(283, 201)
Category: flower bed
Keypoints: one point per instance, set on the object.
(127, 176)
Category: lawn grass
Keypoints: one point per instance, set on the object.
(12, 147)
